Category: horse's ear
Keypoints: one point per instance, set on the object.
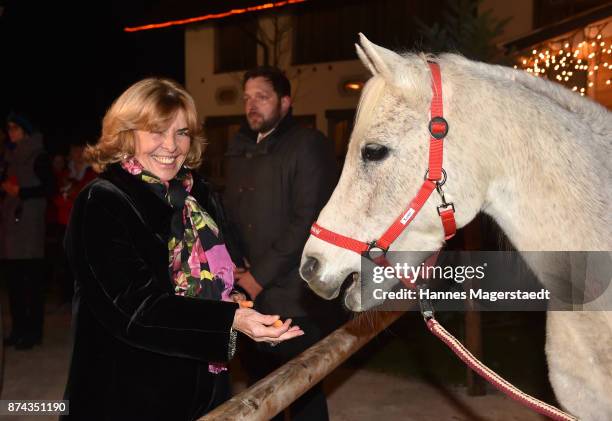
(378, 59)
(365, 60)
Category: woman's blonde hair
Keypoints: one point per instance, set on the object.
(151, 105)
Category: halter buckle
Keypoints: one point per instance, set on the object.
(375, 251)
(446, 205)
(438, 127)
(439, 183)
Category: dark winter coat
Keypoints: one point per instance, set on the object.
(23, 216)
(140, 352)
(275, 190)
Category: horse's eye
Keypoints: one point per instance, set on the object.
(374, 152)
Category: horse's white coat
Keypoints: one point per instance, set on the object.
(530, 153)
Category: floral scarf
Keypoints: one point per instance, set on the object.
(199, 263)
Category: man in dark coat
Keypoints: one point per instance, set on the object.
(279, 176)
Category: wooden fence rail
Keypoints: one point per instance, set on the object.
(280, 388)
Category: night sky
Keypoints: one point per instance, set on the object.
(63, 63)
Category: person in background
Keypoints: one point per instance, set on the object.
(27, 185)
(60, 172)
(54, 250)
(77, 174)
(58, 163)
(279, 176)
(154, 317)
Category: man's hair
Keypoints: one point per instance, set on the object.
(279, 81)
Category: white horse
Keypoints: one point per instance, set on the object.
(526, 151)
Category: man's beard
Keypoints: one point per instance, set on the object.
(265, 125)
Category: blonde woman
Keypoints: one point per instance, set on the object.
(154, 321)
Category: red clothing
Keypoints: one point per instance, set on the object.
(51, 213)
(69, 189)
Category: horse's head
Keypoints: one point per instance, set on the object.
(384, 168)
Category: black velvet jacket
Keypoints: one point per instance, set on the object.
(140, 352)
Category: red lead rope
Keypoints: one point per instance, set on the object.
(495, 379)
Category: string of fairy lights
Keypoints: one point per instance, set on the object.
(578, 61)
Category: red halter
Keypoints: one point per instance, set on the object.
(435, 177)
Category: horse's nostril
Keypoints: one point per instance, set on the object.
(309, 268)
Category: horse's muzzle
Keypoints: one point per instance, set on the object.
(309, 268)
(309, 271)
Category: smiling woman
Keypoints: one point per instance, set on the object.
(155, 312)
(163, 152)
(150, 117)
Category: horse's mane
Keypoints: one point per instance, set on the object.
(594, 115)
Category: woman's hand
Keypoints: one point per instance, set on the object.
(259, 327)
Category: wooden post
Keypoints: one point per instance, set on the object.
(473, 342)
(279, 389)
(473, 328)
